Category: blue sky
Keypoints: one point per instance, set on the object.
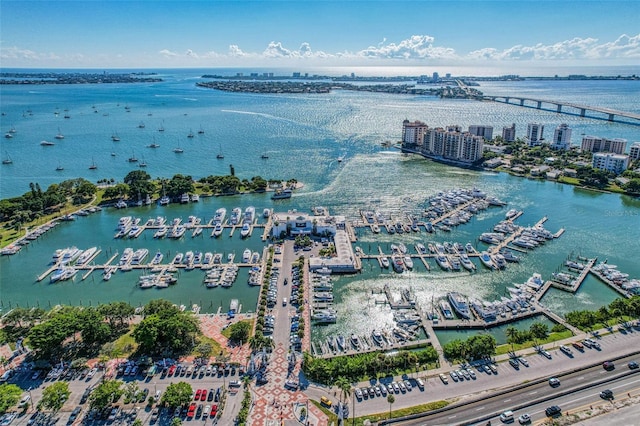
(151, 34)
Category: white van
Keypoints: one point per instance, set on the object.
(506, 417)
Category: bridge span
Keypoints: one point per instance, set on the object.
(610, 114)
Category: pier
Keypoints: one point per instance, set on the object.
(575, 284)
(557, 106)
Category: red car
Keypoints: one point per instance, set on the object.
(198, 395)
(172, 370)
(203, 394)
(214, 410)
(192, 410)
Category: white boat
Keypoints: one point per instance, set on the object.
(246, 256)
(188, 257)
(255, 257)
(121, 204)
(385, 261)
(486, 260)
(466, 262)
(511, 213)
(217, 230)
(324, 316)
(178, 258)
(398, 264)
(161, 233)
(47, 143)
(282, 194)
(184, 198)
(408, 262)
(245, 230)
(443, 262)
(86, 256)
(377, 337)
(195, 198)
(249, 215)
(208, 258)
(164, 200)
(355, 341)
(59, 135)
(127, 254)
(197, 231)
(236, 213)
(220, 215)
(266, 213)
(421, 248)
(459, 304)
(157, 258)
(139, 256)
(446, 310)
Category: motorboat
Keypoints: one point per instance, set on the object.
(220, 215)
(377, 337)
(235, 216)
(486, 260)
(408, 262)
(217, 230)
(157, 258)
(466, 262)
(246, 229)
(246, 256)
(184, 198)
(446, 310)
(282, 194)
(325, 316)
(355, 341)
(459, 304)
(341, 342)
(443, 262)
(86, 256)
(385, 261)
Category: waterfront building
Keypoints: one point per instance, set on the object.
(452, 144)
(598, 144)
(616, 163)
(509, 133)
(413, 132)
(561, 137)
(634, 151)
(485, 131)
(535, 134)
(297, 223)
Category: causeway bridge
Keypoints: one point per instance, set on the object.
(568, 108)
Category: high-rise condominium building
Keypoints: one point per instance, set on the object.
(561, 137)
(615, 163)
(509, 133)
(485, 131)
(535, 134)
(598, 144)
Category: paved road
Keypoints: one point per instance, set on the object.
(622, 380)
(613, 345)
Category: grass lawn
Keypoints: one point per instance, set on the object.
(553, 337)
(422, 408)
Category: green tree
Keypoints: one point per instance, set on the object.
(9, 396)
(176, 421)
(344, 386)
(539, 330)
(204, 350)
(177, 394)
(105, 394)
(390, 399)
(54, 396)
(239, 331)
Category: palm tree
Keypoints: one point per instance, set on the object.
(390, 399)
(344, 386)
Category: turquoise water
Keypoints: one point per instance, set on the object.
(303, 135)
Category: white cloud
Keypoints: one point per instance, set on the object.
(417, 49)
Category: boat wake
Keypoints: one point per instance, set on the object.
(260, 114)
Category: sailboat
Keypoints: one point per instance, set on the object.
(190, 135)
(93, 165)
(133, 158)
(264, 156)
(59, 168)
(141, 125)
(201, 131)
(7, 159)
(220, 155)
(161, 128)
(115, 137)
(142, 163)
(59, 135)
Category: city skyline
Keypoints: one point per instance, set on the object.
(172, 34)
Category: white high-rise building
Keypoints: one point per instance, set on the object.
(452, 144)
(598, 144)
(634, 151)
(535, 134)
(615, 163)
(561, 137)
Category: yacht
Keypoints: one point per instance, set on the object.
(249, 215)
(499, 261)
(184, 198)
(126, 256)
(164, 200)
(47, 143)
(7, 159)
(266, 213)
(220, 215)
(178, 150)
(377, 337)
(235, 216)
(196, 231)
(157, 258)
(246, 229)
(486, 260)
(326, 316)
(220, 155)
(454, 261)
(535, 282)
(217, 230)
(385, 261)
(459, 304)
(421, 248)
(121, 204)
(161, 233)
(139, 256)
(408, 262)
(190, 134)
(355, 341)
(445, 307)
(178, 259)
(86, 256)
(282, 194)
(59, 135)
(442, 261)
(195, 198)
(246, 256)
(466, 262)
(511, 214)
(341, 342)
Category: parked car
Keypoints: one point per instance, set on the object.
(444, 379)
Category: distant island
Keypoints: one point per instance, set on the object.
(326, 87)
(76, 78)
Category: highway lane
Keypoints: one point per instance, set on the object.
(571, 384)
(613, 345)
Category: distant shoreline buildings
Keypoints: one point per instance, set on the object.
(453, 145)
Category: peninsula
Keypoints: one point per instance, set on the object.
(76, 78)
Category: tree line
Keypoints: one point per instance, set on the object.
(617, 310)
